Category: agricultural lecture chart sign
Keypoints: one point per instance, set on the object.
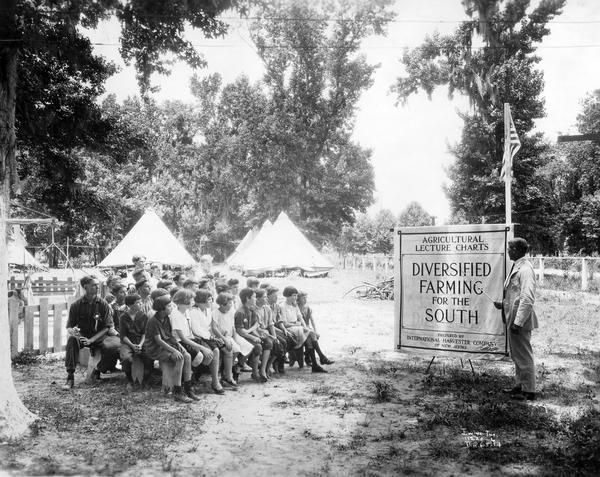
(446, 282)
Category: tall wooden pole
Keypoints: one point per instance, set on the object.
(507, 166)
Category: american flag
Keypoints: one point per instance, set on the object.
(510, 150)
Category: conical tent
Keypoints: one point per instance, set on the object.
(149, 237)
(243, 245)
(283, 247)
(238, 260)
(20, 257)
(17, 254)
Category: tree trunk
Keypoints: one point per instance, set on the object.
(14, 416)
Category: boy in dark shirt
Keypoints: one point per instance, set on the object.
(133, 334)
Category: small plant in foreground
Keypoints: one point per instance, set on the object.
(383, 390)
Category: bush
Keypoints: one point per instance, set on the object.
(25, 358)
(583, 449)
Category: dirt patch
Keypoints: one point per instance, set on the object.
(375, 412)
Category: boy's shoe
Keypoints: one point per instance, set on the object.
(69, 384)
(326, 360)
(182, 398)
(245, 368)
(523, 396)
(187, 390)
(258, 378)
(232, 385)
(318, 369)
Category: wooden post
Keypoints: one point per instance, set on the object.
(43, 324)
(362, 263)
(57, 326)
(385, 265)
(541, 271)
(13, 318)
(373, 261)
(28, 332)
(584, 275)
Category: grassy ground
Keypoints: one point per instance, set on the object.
(376, 412)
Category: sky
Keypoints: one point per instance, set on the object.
(409, 142)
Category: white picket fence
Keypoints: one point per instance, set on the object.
(583, 269)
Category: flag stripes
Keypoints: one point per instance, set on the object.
(512, 144)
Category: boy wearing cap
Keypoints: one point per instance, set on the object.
(133, 334)
(90, 318)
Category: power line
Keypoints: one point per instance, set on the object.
(372, 47)
(320, 18)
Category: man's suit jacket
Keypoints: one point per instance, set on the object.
(519, 295)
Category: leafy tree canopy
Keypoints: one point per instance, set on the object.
(502, 70)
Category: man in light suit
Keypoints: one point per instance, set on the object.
(519, 297)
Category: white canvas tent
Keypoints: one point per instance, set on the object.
(149, 237)
(243, 245)
(17, 253)
(283, 247)
(237, 260)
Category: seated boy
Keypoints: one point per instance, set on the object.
(246, 325)
(200, 353)
(309, 320)
(266, 329)
(200, 318)
(132, 331)
(164, 347)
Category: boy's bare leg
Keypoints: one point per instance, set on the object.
(264, 362)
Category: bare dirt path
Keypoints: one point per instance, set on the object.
(374, 414)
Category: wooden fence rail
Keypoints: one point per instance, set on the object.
(47, 317)
(43, 287)
(586, 269)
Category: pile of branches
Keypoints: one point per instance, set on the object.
(383, 290)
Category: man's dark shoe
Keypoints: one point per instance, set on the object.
(523, 396)
(511, 391)
(318, 369)
(326, 360)
(69, 384)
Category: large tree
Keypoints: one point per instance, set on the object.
(574, 185)
(149, 29)
(315, 76)
(502, 70)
